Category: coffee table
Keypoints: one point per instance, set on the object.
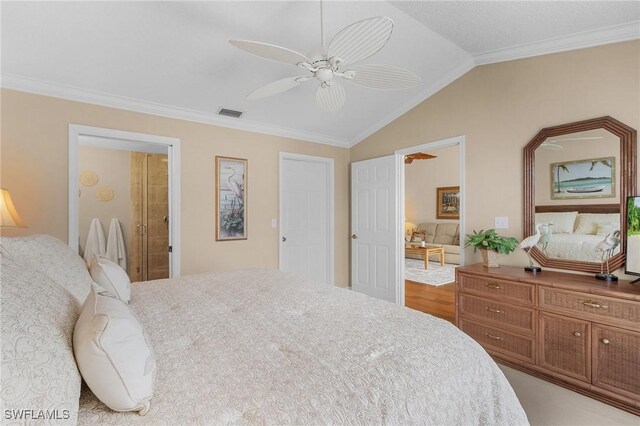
(425, 252)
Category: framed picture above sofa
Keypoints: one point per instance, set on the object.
(448, 202)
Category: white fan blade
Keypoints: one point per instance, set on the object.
(275, 87)
(331, 96)
(270, 51)
(383, 77)
(552, 146)
(361, 40)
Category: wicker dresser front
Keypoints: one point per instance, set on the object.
(570, 329)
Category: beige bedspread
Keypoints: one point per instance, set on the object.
(262, 347)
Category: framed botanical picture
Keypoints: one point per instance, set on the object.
(448, 206)
(591, 178)
(231, 198)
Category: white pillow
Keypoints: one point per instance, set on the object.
(113, 355)
(39, 371)
(562, 221)
(54, 259)
(587, 223)
(110, 276)
(603, 229)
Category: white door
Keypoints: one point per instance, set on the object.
(304, 219)
(376, 238)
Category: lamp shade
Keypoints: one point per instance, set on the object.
(9, 217)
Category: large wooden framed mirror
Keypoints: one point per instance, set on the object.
(577, 178)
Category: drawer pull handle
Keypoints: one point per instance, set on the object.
(577, 334)
(493, 285)
(605, 341)
(591, 304)
(491, 336)
(494, 310)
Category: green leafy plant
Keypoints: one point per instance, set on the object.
(490, 240)
(633, 216)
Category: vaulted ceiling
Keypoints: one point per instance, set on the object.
(174, 59)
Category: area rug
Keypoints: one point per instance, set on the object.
(436, 275)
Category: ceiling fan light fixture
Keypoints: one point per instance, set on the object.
(352, 44)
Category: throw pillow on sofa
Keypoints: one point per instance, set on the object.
(417, 237)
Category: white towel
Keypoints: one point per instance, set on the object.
(96, 242)
(115, 245)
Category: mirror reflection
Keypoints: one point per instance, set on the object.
(577, 197)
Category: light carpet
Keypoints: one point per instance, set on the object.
(436, 275)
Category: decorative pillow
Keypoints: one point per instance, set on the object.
(563, 222)
(39, 371)
(110, 276)
(587, 223)
(417, 237)
(113, 354)
(429, 229)
(606, 228)
(54, 259)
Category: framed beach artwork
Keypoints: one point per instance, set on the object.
(231, 198)
(591, 178)
(448, 203)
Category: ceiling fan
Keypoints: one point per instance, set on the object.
(408, 159)
(351, 45)
(554, 145)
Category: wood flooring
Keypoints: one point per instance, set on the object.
(438, 301)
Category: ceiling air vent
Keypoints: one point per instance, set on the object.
(230, 113)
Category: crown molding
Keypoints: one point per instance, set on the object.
(23, 84)
(440, 84)
(601, 36)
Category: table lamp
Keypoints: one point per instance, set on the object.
(9, 217)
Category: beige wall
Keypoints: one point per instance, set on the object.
(500, 107)
(112, 168)
(34, 164)
(423, 177)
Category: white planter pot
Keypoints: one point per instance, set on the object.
(489, 258)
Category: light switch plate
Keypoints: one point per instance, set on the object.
(501, 222)
(274, 223)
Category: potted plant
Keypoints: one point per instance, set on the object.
(490, 244)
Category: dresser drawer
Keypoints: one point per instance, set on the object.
(623, 313)
(497, 340)
(505, 290)
(499, 313)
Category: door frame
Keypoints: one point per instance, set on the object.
(430, 146)
(329, 162)
(128, 141)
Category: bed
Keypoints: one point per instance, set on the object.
(263, 347)
(576, 230)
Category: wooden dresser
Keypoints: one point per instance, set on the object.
(569, 329)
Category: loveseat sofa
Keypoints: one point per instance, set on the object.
(446, 235)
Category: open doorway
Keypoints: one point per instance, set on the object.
(124, 209)
(433, 222)
(126, 203)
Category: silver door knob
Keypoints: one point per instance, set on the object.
(284, 239)
(577, 334)
(606, 341)
(354, 237)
